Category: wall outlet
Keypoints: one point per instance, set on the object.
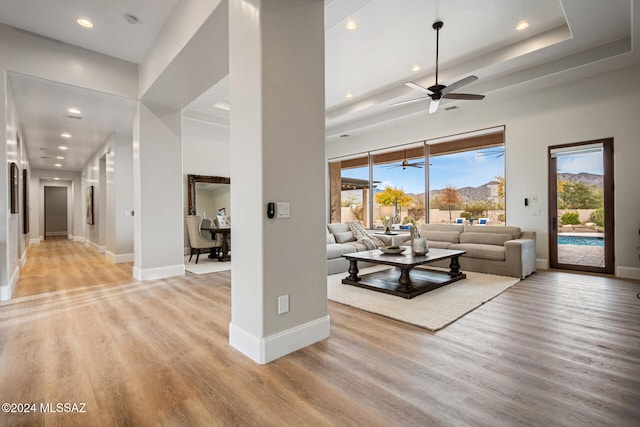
(283, 304)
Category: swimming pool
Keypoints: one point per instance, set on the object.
(581, 241)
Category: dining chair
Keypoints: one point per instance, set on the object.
(197, 241)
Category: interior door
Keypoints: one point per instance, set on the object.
(581, 235)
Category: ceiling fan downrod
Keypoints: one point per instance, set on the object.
(436, 26)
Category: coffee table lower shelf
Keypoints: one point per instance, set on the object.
(422, 280)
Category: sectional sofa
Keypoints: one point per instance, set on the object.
(340, 240)
(501, 250)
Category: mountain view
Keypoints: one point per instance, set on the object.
(583, 177)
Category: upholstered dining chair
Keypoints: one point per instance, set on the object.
(206, 223)
(196, 240)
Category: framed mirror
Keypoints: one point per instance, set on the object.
(208, 195)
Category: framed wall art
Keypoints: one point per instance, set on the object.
(90, 219)
(25, 201)
(14, 179)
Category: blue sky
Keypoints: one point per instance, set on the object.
(467, 169)
(587, 162)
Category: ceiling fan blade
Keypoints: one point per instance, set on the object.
(434, 106)
(458, 84)
(409, 101)
(467, 96)
(417, 87)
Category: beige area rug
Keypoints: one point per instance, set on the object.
(205, 265)
(433, 310)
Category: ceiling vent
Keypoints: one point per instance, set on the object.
(71, 116)
(453, 107)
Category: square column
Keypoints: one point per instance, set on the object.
(277, 155)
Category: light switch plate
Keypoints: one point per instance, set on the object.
(283, 210)
(283, 304)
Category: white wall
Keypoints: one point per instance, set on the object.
(121, 159)
(12, 240)
(602, 106)
(110, 171)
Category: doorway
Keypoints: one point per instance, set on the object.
(55, 211)
(581, 206)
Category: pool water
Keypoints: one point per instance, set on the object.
(579, 240)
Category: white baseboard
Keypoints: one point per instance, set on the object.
(265, 350)
(158, 272)
(99, 248)
(628, 272)
(7, 290)
(542, 264)
(57, 233)
(117, 258)
(34, 241)
(23, 258)
(80, 239)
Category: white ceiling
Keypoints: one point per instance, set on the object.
(567, 39)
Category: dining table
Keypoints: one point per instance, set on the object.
(226, 234)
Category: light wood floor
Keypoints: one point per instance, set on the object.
(555, 349)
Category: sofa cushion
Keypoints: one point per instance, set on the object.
(330, 238)
(337, 227)
(441, 236)
(357, 246)
(514, 231)
(336, 250)
(344, 237)
(497, 239)
(479, 250)
(442, 227)
(438, 245)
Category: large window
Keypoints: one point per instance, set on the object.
(465, 180)
(400, 192)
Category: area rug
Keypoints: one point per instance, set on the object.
(205, 265)
(433, 310)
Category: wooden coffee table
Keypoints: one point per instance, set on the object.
(408, 282)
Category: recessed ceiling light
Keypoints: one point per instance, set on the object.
(60, 157)
(523, 25)
(58, 165)
(84, 22)
(415, 68)
(65, 135)
(56, 179)
(349, 95)
(74, 110)
(62, 147)
(351, 25)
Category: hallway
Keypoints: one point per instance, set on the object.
(58, 263)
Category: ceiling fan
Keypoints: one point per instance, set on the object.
(438, 91)
(405, 163)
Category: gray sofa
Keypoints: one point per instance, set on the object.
(340, 240)
(505, 251)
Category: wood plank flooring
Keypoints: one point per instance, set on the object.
(557, 349)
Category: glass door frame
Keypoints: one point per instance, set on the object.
(609, 235)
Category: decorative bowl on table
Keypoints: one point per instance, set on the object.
(393, 250)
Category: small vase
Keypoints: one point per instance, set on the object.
(419, 246)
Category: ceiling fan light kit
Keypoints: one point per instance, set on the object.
(439, 91)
